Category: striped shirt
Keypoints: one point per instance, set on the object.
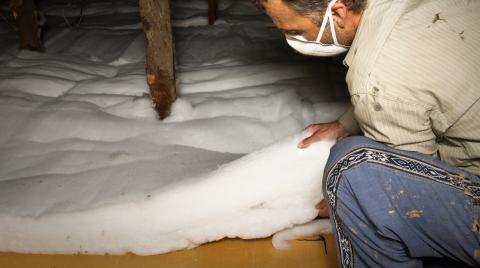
(414, 78)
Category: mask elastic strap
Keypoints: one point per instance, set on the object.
(332, 27)
(324, 23)
(328, 16)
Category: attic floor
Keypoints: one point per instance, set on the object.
(230, 253)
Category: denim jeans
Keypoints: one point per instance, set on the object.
(392, 208)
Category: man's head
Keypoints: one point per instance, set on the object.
(304, 17)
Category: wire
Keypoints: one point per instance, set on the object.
(6, 20)
(81, 15)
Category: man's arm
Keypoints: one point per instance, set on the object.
(349, 123)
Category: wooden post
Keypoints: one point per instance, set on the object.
(159, 52)
(26, 22)
(212, 11)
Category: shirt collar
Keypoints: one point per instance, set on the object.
(376, 23)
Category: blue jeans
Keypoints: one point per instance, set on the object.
(392, 208)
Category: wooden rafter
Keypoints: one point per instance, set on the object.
(212, 11)
(159, 53)
(24, 13)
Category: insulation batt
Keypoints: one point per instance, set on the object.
(255, 196)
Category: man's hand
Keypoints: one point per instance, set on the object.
(332, 130)
(322, 209)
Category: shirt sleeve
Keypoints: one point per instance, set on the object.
(349, 123)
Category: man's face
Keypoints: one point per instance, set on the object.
(290, 22)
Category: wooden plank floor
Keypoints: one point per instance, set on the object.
(231, 253)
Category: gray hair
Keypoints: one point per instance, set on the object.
(316, 8)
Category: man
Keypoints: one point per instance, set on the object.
(408, 191)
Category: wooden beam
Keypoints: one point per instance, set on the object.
(24, 13)
(230, 253)
(159, 53)
(212, 11)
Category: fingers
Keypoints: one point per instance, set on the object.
(308, 141)
(321, 131)
(323, 213)
(321, 204)
(322, 209)
(312, 128)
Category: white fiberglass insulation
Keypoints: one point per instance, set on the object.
(86, 167)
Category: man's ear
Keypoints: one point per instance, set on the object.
(339, 11)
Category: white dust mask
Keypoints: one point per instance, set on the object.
(302, 45)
